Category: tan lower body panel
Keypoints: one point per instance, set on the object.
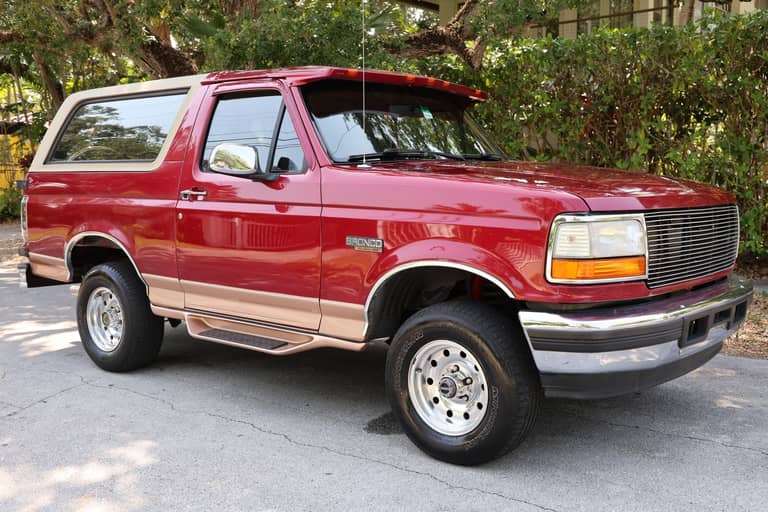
(267, 322)
(343, 319)
(164, 291)
(339, 319)
(278, 308)
(49, 267)
(254, 336)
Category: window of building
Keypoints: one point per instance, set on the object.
(621, 13)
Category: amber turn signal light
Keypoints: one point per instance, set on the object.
(607, 268)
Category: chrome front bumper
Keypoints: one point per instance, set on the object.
(604, 352)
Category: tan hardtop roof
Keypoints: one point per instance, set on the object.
(148, 86)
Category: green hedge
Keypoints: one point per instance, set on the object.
(687, 102)
(10, 203)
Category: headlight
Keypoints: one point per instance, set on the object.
(596, 249)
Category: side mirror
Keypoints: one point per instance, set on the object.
(238, 160)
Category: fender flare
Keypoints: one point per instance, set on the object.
(409, 265)
(98, 234)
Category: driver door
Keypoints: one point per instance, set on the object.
(245, 248)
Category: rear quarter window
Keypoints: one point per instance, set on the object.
(120, 129)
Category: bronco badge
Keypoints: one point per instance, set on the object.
(365, 244)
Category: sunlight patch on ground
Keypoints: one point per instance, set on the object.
(51, 338)
(731, 402)
(132, 456)
(32, 488)
(7, 485)
(713, 372)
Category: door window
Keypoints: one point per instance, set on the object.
(252, 120)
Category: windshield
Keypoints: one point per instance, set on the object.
(401, 123)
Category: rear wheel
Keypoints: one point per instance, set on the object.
(117, 327)
(461, 382)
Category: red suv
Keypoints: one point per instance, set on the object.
(274, 211)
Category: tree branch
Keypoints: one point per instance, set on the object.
(451, 38)
(153, 53)
(9, 36)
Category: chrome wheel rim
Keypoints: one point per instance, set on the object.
(447, 387)
(104, 316)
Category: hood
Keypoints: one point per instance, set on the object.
(602, 189)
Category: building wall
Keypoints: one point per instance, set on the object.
(573, 21)
(12, 148)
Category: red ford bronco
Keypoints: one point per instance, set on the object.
(269, 210)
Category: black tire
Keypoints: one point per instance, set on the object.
(142, 331)
(498, 345)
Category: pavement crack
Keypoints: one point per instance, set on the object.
(669, 434)
(294, 442)
(42, 400)
(447, 484)
(133, 392)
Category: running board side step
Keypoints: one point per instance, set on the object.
(256, 342)
(261, 338)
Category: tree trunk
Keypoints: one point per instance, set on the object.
(22, 99)
(52, 85)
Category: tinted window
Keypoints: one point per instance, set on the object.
(123, 129)
(249, 121)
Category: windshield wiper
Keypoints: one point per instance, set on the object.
(493, 157)
(395, 154)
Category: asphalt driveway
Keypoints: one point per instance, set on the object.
(210, 427)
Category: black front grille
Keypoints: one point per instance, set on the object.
(690, 243)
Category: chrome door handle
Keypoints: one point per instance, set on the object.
(186, 195)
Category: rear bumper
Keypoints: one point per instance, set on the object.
(605, 352)
(27, 279)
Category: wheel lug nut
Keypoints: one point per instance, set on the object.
(455, 368)
(468, 381)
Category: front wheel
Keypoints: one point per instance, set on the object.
(461, 382)
(117, 327)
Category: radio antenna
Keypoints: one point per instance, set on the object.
(362, 17)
